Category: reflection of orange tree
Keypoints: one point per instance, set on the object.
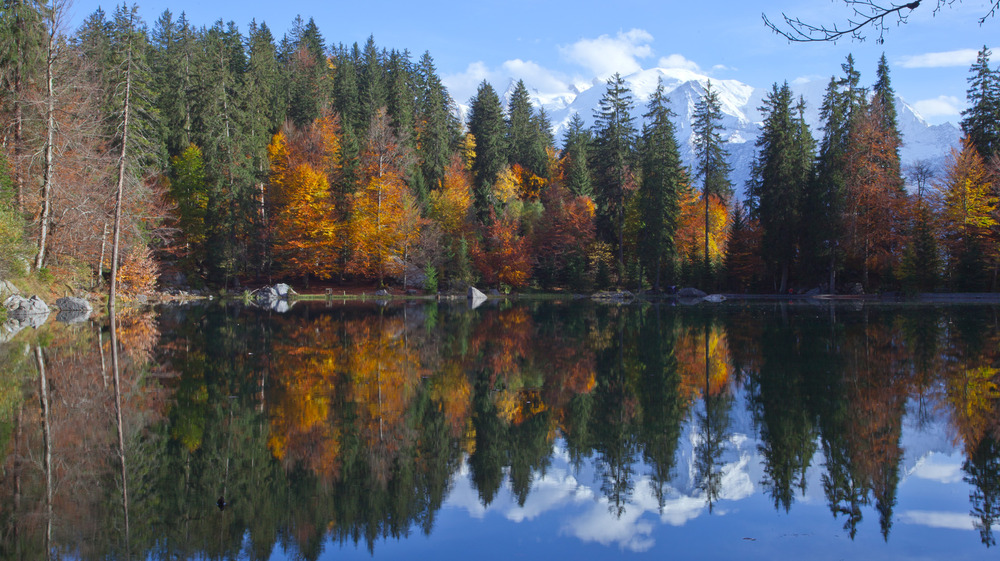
(304, 426)
(876, 386)
(703, 360)
(384, 374)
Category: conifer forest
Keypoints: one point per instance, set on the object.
(238, 157)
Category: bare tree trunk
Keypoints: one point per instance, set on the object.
(50, 126)
(119, 423)
(121, 173)
(43, 394)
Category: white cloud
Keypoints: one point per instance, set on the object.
(961, 57)
(606, 55)
(939, 467)
(941, 106)
(937, 519)
(679, 61)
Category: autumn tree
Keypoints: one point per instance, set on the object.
(968, 202)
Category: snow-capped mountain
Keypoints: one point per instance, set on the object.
(742, 119)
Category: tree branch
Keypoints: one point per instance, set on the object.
(866, 13)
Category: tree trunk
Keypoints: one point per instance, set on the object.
(115, 246)
(50, 126)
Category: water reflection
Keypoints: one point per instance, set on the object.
(356, 423)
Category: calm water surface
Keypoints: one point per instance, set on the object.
(543, 430)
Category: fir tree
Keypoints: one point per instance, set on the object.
(781, 180)
(981, 121)
(524, 136)
(577, 144)
(486, 124)
(662, 181)
(613, 157)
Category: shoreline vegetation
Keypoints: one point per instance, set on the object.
(251, 156)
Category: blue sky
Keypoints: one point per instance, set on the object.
(555, 44)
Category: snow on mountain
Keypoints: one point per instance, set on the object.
(741, 120)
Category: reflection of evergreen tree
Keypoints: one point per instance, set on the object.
(577, 429)
(778, 402)
(982, 470)
(663, 409)
(487, 461)
(530, 451)
(614, 414)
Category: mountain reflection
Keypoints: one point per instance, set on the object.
(356, 423)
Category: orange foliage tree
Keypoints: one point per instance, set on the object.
(302, 220)
(503, 256)
(690, 236)
(876, 201)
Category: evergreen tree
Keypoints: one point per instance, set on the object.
(436, 127)
(711, 157)
(613, 158)
(372, 87)
(307, 75)
(659, 191)
(171, 62)
(981, 121)
(577, 144)
(524, 135)
(486, 124)
(884, 99)
(783, 171)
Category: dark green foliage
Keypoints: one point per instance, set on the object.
(486, 123)
(783, 170)
(981, 121)
(921, 266)
(659, 192)
(436, 126)
(613, 161)
(577, 144)
(526, 133)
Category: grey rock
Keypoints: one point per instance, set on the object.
(73, 304)
(283, 290)
(690, 292)
(7, 288)
(19, 307)
(382, 293)
(714, 298)
(495, 292)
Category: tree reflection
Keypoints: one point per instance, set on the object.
(351, 424)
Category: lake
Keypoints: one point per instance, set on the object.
(751, 430)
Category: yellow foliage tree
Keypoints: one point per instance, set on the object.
(382, 227)
(302, 220)
(449, 206)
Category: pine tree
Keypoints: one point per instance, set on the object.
(613, 159)
(981, 121)
(711, 157)
(662, 181)
(486, 124)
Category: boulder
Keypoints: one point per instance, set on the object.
(283, 290)
(476, 298)
(73, 304)
(19, 307)
(383, 293)
(690, 292)
(495, 293)
(714, 298)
